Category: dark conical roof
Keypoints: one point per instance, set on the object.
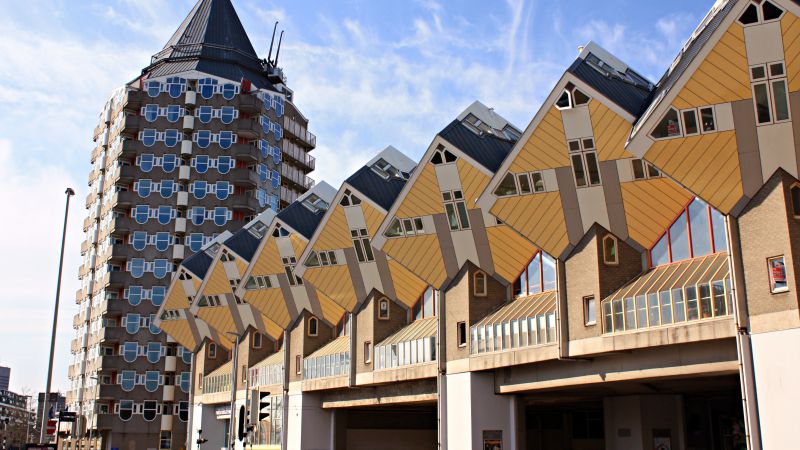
(212, 40)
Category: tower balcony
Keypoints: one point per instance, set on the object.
(299, 132)
(244, 152)
(298, 156)
(248, 128)
(133, 100)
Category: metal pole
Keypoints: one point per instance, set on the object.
(69, 192)
(234, 363)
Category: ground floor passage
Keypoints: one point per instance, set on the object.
(399, 427)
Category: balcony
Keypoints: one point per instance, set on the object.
(296, 177)
(675, 294)
(332, 360)
(113, 363)
(248, 128)
(524, 322)
(124, 175)
(92, 176)
(299, 132)
(133, 101)
(218, 381)
(88, 222)
(414, 344)
(131, 125)
(288, 195)
(298, 155)
(85, 245)
(79, 294)
(244, 152)
(97, 151)
(244, 177)
(268, 371)
(129, 149)
(98, 130)
(120, 225)
(90, 198)
(246, 203)
(249, 103)
(77, 320)
(75, 345)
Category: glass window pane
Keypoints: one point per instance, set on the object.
(666, 307)
(679, 239)
(652, 308)
(428, 303)
(707, 119)
(462, 215)
(577, 167)
(524, 183)
(678, 305)
(451, 216)
(507, 186)
(781, 100)
(690, 122)
(705, 301)
(701, 230)
(548, 272)
(638, 169)
(718, 226)
(668, 127)
(719, 298)
(659, 254)
(607, 323)
(593, 168)
(630, 314)
(534, 275)
(761, 97)
(619, 324)
(691, 303)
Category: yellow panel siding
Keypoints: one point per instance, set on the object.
(241, 266)
(510, 251)
(547, 146)
(273, 330)
(538, 217)
(421, 255)
(790, 27)
(706, 164)
(473, 181)
(651, 206)
(218, 281)
(424, 197)
(336, 233)
(335, 282)
(218, 318)
(610, 132)
(722, 77)
(180, 331)
(271, 304)
(177, 298)
(407, 286)
(373, 216)
(268, 261)
(298, 244)
(331, 311)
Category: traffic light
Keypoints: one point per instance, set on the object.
(263, 403)
(242, 433)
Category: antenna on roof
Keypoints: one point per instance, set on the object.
(269, 57)
(278, 52)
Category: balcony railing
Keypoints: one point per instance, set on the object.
(524, 322)
(288, 195)
(300, 132)
(414, 344)
(694, 290)
(267, 374)
(299, 155)
(331, 360)
(218, 381)
(296, 176)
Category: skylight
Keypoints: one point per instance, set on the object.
(314, 203)
(387, 171)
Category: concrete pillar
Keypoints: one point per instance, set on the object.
(310, 427)
(474, 411)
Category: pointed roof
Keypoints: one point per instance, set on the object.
(211, 39)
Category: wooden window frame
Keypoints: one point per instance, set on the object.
(316, 327)
(382, 301)
(586, 300)
(606, 261)
(485, 291)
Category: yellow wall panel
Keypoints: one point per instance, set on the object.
(331, 311)
(373, 216)
(547, 146)
(218, 318)
(424, 197)
(510, 251)
(180, 331)
(217, 280)
(177, 298)
(473, 181)
(610, 132)
(298, 243)
(538, 217)
(706, 164)
(268, 260)
(271, 304)
(336, 233)
(421, 255)
(722, 77)
(651, 206)
(790, 27)
(241, 266)
(335, 283)
(407, 286)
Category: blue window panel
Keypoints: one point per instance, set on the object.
(134, 295)
(195, 241)
(151, 380)
(151, 112)
(153, 352)
(157, 294)
(162, 241)
(137, 267)
(132, 321)
(141, 213)
(160, 268)
(146, 162)
(173, 113)
(176, 86)
(276, 179)
(201, 164)
(207, 87)
(139, 240)
(225, 139)
(204, 113)
(276, 155)
(164, 214)
(148, 137)
(127, 380)
(153, 88)
(227, 114)
(223, 189)
(198, 215)
(199, 189)
(203, 138)
(167, 188)
(169, 162)
(130, 350)
(228, 91)
(171, 138)
(224, 164)
(154, 329)
(220, 216)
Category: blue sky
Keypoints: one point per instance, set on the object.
(366, 73)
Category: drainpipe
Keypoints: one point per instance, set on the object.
(191, 402)
(441, 382)
(744, 347)
(285, 412)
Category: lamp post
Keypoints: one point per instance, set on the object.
(235, 362)
(69, 192)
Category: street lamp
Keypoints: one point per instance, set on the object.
(234, 363)
(69, 193)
